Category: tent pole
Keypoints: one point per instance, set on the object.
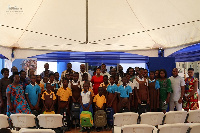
(86, 22)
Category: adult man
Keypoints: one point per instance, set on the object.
(13, 70)
(46, 67)
(82, 71)
(178, 86)
(120, 71)
(103, 70)
(69, 70)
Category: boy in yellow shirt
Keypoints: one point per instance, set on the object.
(99, 100)
(63, 94)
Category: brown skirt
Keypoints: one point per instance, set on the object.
(109, 100)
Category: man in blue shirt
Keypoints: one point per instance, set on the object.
(33, 92)
(124, 94)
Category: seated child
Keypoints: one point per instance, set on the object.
(124, 92)
(99, 100)
(32, 93)
(85, 79)
(86, 99)
(105, 84)
(64, 93)
(48, 98)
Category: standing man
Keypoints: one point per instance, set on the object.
(13, 70)
(103, 71)
(69, 70)
(120, 71)
(82, 71)
(46, 70)
(178, 87)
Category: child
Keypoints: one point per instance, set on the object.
(99, 100)
(76, 88)
(124, 92)
(86, 99)
(48, 98)
(105, 84)
(165, 90)
(44, 80)
(56, 80)
(64, 94)
(52, 82)
(85, 79)
(153, 92)
(141, 90)
(117, 81)
(112, 90)
(38, 79)
(33, 93)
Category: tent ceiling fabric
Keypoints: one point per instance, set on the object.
(92, 57)
(113, 25)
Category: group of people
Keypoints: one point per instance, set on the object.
(45, 93)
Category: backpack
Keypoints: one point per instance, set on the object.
(86, 119)
(100, 119)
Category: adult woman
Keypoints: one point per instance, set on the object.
(97, 80)
(190, 100)
(16, 102)
(165, 90)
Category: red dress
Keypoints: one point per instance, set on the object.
(96, 83)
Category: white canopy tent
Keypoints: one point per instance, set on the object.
(42, 26)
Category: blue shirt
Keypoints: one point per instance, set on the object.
(157, 85)
(33, 91)
(124, 91)
(112, 88)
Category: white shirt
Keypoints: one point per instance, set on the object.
(136, 84)
(131, 85)
(82, 83)
(176, 83)
(106, 73)
(81, 74)
(85, 97)
(74, 83)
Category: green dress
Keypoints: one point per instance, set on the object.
(165, 87)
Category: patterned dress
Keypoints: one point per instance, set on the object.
(17, 100)
(192, 103)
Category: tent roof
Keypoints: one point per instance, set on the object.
(93, 57)
(113, 25)
(188, 54)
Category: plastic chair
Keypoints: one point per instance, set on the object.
(36, 131)
(137, 128)
(173, 128)
(3, 121)
(195, 128)
(194, 116)
(121, 119)
(152, 118)
(175, 117)
(23, 120)
(50, 120)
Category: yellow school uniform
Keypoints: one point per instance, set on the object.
(99, 100)
(52, 93)
(64, 94)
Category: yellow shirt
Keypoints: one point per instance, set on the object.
(52, 93)
(100, 100)
(42, 87)
(64, 94)
(102, 85)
